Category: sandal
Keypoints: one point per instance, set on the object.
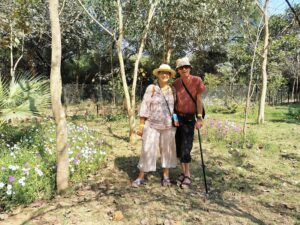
(166, 182)
(186, 183)
(138, 182)
(180, 179)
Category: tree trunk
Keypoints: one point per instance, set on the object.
(248, 100)
(136, 68)
(123, 74)
(62, 175)
(167, 46)
(293, 90)
(169, 53)
(112, 76)
(12, 72)
(261, 109)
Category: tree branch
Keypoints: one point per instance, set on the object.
(21, 56)
(93, 18)
(293, 10)
(62, 8)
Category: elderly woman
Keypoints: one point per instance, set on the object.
(156, 127)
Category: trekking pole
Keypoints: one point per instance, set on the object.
(202, 162)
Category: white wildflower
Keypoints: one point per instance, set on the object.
(22, 181)
(2, 184)
(38, 171)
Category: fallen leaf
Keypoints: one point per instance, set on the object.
(118, 215)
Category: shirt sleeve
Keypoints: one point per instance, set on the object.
(145, 105)
(200, 87)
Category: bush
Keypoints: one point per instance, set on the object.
(28, 160)
(294, 112)
(111, 117)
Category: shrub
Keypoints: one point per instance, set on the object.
(111, 117)
(294, 112)
(27, 96)
(28, 160)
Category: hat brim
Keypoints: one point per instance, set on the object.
(156, 71)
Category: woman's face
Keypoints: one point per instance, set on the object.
(164, 76)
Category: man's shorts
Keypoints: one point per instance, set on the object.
(184, 138)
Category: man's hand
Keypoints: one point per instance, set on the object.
(199, 123)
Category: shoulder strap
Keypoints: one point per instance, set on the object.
(165, 100)
(153, 90)
(187, 90)
(174, 93)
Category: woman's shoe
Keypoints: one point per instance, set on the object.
(138, 182)
(166, 182)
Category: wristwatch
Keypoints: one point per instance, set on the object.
(199, 116)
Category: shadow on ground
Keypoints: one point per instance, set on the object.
(192, 200)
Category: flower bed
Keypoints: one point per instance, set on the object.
(28, 160)
(225, 131)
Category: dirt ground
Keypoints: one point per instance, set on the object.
(108, 198)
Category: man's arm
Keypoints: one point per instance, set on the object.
(199, 115)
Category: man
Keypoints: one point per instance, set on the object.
(188, 106)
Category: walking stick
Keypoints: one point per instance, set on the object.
(202, 162)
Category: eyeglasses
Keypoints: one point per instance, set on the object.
(183, 67)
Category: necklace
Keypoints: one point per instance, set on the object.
(165, 89)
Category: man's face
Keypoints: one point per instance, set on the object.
(184, 71)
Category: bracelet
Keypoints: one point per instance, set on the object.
(199, 115)
(142, 125)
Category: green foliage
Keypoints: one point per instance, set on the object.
(28, 96)
(230, 107)
(294, 111)
(28, 160)
(114, 117)
(211, 80)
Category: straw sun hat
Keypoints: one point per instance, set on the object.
(166, 68)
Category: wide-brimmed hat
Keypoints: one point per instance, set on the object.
(183, 62)
(166, 68)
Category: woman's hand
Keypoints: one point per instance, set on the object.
(140, 130)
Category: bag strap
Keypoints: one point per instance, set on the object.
(165, 100)
(187, 90)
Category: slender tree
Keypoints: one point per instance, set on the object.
(248, 99)
(121, 28)
(62, 175)
(262, 101)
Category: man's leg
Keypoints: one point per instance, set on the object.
(186, 147)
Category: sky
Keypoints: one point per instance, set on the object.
(279, 6)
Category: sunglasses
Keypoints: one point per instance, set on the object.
(183, 67)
